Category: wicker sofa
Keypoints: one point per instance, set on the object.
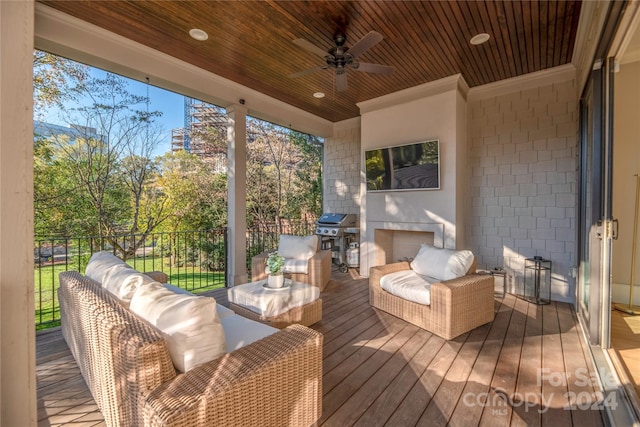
(126, 365)
(456, 307)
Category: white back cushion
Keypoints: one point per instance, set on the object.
(298, 247)
(221, 309)
(442, 264)
(189, 323)
(122, 281)
(99, 263)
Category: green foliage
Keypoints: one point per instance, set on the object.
(308, 197)
(196, 197)
(100, 178)
(275, 263)
(375, 169)
(54, 79)
(284, 174)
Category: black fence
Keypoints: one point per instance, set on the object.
(265, 237)
(193, 260)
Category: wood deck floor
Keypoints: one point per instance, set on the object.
(525, 368)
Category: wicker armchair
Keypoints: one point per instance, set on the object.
(457, 305)
(318, 273)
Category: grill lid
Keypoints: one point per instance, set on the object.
(331, 219)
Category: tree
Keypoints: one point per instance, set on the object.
(196, 197)
(54, 79)
(271, 162)
(308, 196)
(105, 163)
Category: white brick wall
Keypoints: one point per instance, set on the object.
(523, 158)
(342, 172)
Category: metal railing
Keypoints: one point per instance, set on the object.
(193, 260)
(265, 237)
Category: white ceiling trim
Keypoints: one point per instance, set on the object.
(455, 82)
(524, 82)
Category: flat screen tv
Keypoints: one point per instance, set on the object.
(404, 167)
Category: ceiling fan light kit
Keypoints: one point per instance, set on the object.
(339, 58)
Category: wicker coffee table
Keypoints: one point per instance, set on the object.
(295, 303)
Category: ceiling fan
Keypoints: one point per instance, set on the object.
(340, 58)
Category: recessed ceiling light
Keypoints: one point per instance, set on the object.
(479, 38)
(198, 34)
(318, 95)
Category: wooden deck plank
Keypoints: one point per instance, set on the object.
(584, 391)
(443, 403)
(476, 391)
(365, 350)
(526, 403)
(379, 370)
(369, 360)
(360, 401)
(333, 359)
(411, 408)
(552, 376)
(506, 372)
(386, 403)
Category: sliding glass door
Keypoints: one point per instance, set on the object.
(594, 216)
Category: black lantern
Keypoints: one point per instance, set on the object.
(537, 280)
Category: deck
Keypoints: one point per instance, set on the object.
(530, 366)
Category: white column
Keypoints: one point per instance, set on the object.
(237, 194)
(17, 335)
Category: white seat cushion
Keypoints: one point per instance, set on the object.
(240, 331)
(99, 263)
(442, 264)
(189, 323)
(292, 265)
(409, 285)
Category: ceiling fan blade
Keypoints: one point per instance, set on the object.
(373, 68)
(305, 72)
(310, 47)
(341, 82)
(372, 38)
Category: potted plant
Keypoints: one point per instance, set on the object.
(275, 265)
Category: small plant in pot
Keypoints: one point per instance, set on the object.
(275, 266)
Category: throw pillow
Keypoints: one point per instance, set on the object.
(122, 281)
(298, 247)
(99, 263)
(442, 264)
(189, 323)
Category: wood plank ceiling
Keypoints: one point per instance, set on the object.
(250, 42)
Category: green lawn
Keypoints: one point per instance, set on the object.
(47, 309)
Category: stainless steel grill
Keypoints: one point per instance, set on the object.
(337, 231)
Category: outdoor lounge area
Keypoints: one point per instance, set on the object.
(378, 369)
